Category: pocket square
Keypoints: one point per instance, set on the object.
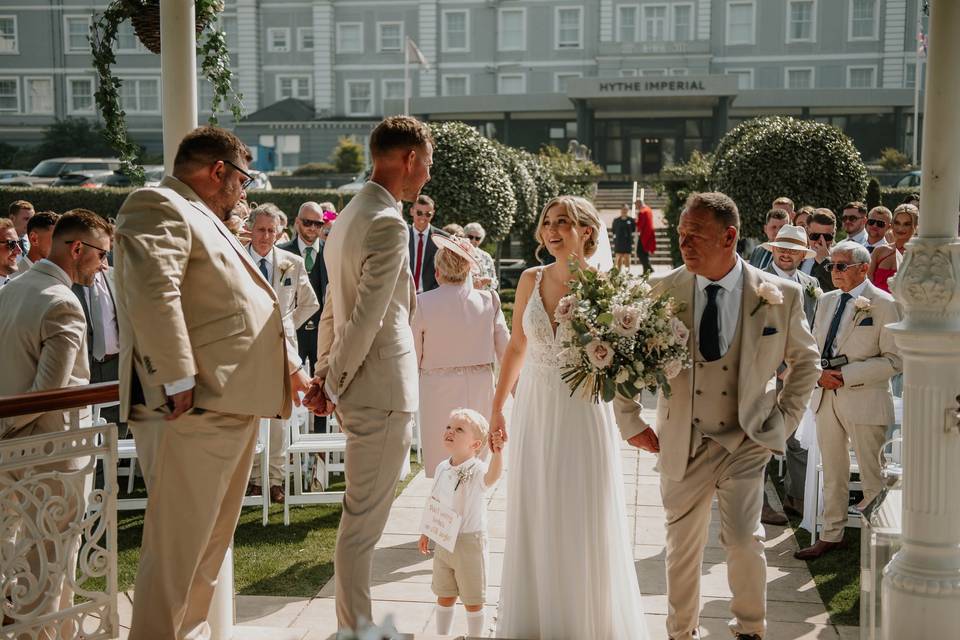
(769, 331)
(866, 322)
(287, 282)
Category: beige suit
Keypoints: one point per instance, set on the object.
(694, 467)
(366, 355)
(861, 410)
(191, 304)
(43, 333)
(298, 302)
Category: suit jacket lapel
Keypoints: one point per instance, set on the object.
(276, 270)
(751, 326)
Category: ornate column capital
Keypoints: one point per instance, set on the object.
(926, 284)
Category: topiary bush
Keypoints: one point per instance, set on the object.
(576, 177)
(890, 197)
(348, 155)
(893, 159)
(773, 156)
(873, 194)
(524, 189)
(678, 182)
(469, 182)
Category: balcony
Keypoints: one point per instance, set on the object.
(674, 48)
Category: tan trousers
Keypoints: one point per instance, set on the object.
(196, 469)
(377, 445)
(834, 436)
(737, 481)
(278, 450)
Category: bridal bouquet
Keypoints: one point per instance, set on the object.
(622, 339)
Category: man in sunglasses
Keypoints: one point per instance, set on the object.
(852, 401)
(854, 218)
(821, 231)
(422, 249)
(203, 356)
(879, 221)
(10, 251)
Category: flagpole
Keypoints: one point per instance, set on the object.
(406, 77)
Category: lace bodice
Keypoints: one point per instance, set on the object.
(543, 347)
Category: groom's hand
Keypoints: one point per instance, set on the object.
(646, 440)
(316, 400)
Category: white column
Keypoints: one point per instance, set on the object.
(921, 585)
(178, 75)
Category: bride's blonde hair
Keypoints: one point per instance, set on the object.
(581, 211)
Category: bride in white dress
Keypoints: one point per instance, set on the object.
(568, 570)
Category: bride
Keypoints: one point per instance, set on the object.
(568, 568)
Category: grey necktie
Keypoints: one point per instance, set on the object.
(96, 319)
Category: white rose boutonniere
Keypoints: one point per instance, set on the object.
(862, 306)
(284, 266)
(814, 291)
(768, 293)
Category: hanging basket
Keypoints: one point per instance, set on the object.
(146, 23)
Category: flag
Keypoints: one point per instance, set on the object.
(414, 54)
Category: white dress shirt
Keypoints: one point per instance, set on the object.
(302, 246)
(111, 334)
(807, 266)
(269, 261)
(787, 276)
(728, 303)
(883, 242)
(859, 238)
(848, 311)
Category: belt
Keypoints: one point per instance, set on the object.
(108, 358)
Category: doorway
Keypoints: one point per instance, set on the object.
(646, 155)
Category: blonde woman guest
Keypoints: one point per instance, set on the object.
(485, 275)
(885, 260)
(459, 333)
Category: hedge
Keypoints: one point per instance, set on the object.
(890, 197)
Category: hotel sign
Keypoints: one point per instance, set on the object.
(652, 87)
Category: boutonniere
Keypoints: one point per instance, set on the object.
(285, 266)
(813, 291)
(768, 293)
(863, 307)
(464, 473)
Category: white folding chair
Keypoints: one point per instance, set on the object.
(262, 449)
(854, 485)
(300, 444)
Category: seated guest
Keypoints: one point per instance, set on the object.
(854, 219)
(43, 334)
(776, 218)
(821, 231)
(886, 260)
(40, 236)
(459, 333)
(10, 250)
(485, 276)
(879, 221)
(852, 402)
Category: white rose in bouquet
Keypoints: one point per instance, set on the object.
(680, 332)
(672, 369)
(626, 320)
(600, 354)
(565, 308)
(622, 376)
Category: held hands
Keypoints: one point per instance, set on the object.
(646, 440)
(831, 379)
(179, 404)
(316, 400)
(299, 383)
(498, 432)
(424, 545)
(496, 441)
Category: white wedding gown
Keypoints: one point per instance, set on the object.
(568, 570)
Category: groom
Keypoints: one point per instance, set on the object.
(716, 431)
(366, 364)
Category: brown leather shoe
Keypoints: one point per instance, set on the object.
(254, 490)
(821, 548)
(276, 494)
(769, 516)
(793, 506)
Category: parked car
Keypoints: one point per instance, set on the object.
(154, 174)
(47, 171)
(510, 270)
(12, 173)
(261, 182)
(912, 179)
(86, 179)
(356, 184)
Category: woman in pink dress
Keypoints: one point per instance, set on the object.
(459, 333)
(885, 260)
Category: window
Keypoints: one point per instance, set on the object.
(569, 25)
(228, 24)
(127, 40)
(359, 97)
(76, 31)
(801, 21)
(512, 29)
(39, 94)
(140, 95)
(80, 95)
(682, 22)
(511, 83)
(8, 35)
(799, 78)
(864, 20)
(9, 95)
(679, 71)
(655, 23)
(389, 36)
(305, 38)
(740, 19)
(349, 37)
(278, 39)
(653, 73)
(456, 85)
(456, 31)
(560, 80)
(627, 17)
(861, 77)
(744, 77)
(393, 89)
(290, 86)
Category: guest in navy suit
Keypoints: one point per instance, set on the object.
(422, 250)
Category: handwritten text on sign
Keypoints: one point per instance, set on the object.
(441, 524)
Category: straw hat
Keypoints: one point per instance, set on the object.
(459, 246)
(791, 237)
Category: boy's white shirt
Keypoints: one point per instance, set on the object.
(468, 499)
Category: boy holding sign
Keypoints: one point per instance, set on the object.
(455, 518)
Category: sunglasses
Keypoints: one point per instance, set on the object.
(840, 266)
(850, 218)
(249, 178)
(826, 236)
(311, 223)
(11, 245)
(477, 238)
(103, 252)
(877, 223)
(422, 214)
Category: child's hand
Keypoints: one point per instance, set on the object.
(424, 545)
(496, 441)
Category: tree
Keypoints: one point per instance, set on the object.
(874, 197)
(769, 157)
(469, 183)
(74, 136)
(524, 189)
(348, 155)
(577, 177)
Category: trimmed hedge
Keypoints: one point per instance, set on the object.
(107, 201)
(891, 197)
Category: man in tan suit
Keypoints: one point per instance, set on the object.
(366, 362)
(716, 431)
(286, 273)
(43, 333)
(203, 356)
(853, 401)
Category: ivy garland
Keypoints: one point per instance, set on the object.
(214, 63)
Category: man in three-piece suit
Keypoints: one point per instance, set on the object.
(203, 356)
(422, 249)
(43, 333)
(288, 276)
(853, 401)
(716, 431)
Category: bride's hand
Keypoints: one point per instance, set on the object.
(498, 424)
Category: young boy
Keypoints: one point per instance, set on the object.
(466, 477)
